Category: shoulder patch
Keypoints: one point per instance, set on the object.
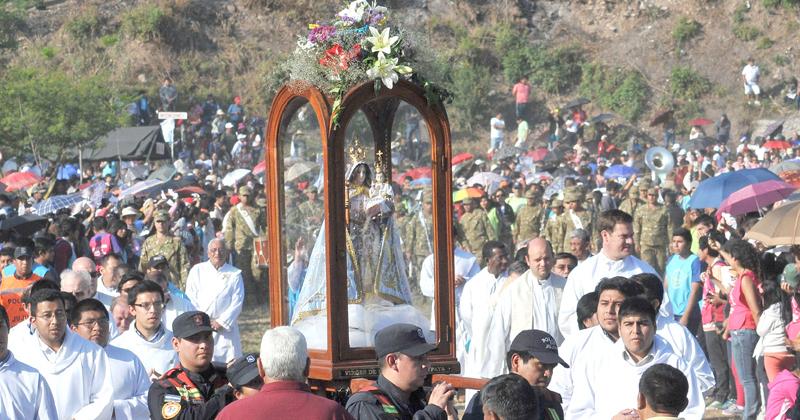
(170, 410)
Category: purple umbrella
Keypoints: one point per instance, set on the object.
(755, 196)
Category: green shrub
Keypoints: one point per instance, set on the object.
(780, 3)
(780, 60)
(48, 52)
(621, 91)
(764, 43)
(687, 84)
(746, 32)
(145, 22)
(84, 26)
(109, 40)
(10, 24)
(738, 14)
(556, 70)
(685, 30)
(470, 86)
(514, 59)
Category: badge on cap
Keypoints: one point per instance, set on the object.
(170, 410)
(420, 333)
(251, 358)
(549, 343)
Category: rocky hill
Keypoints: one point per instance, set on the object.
(235, 47)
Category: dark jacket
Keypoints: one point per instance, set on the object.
(547, 407)
(364, 405)
(165, 399)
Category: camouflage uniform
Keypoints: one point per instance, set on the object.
(529, 220)
(650, 226)
(552, 230)
(477, 230)
(239, 237)
(418, 244)
(566, 221)
(632, 201)
(171, 248)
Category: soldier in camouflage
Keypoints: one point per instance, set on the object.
(240, 227)
(529, 219)
(475, 226)
(574, 216)
(170, 246)
(635, 197)
(674, 212)
(418, 241)
(552, 229)
(650, 225)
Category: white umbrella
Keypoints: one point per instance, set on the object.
(234, 176)
(485, 178)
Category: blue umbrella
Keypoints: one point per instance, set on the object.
(711, 192)
(620, 171)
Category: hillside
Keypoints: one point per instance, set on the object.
(235, 47)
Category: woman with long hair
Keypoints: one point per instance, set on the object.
(771, 352)
(745, 302)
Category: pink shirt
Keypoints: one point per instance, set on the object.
(741, 318)
(521, 92)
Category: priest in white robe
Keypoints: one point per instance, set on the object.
(76, 370)
(530, 302)
(91, 321)
(216, 288)
(24, 393)
(109, 280)
(614, 259)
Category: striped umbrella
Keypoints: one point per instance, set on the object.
(56, 203)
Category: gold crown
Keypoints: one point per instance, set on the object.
(356, 152)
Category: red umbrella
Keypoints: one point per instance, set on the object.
(755, 196)
(261, 167)
(20, 180)
(778, 144)
(462, 157)
(700, 121)
(190, 189)
(421, 172)
(538, 154)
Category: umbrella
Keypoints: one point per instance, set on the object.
(299, 169)
(662, 117)
(786, 165)
(565, 172)
(25, 225)
(485, 178)
(416, 173)
(576, 102)
(235, 175)
(260, 168)
(190, 189)
(470, 192)
(620, 171)
(791, 177)
(755, 196)
(700, 122)
(603, 118)
(711, 192)
(538, 154)
(56, 203)
(419, 182)
(20, 180)
(534, 178)
(138, 188)
(778, 144)
(700, 143)
(772, 128)
(163, 173)
(462, 157)
(508, 152)
(778, 227)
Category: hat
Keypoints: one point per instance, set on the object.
(190, 323)
(241, 136)
(22, 252)
(531, 193)
(790, 275)
(129, 211)
(468, 200)
(573, 194)
(161, 215)
(245, 190)
(156, 261)
(243, 370)
(403, 338)
(427, 198)
(538, 344)
(652, 190)
(310, 189)
(557, 203)
(228, 125)
(220, 112)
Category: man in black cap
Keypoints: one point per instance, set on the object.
(398, 392)
(533, 355)
(243, 376)
(195, 389)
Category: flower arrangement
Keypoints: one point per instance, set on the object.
(358, 45)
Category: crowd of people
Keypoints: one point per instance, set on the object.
(578, 294)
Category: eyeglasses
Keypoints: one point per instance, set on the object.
(91, 323)
(157, 306)
(48, 316)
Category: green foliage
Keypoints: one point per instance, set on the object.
(746, 32)
(52, 110)
(109, 40)
(739, 13)
(780, 60)
(10, 24)
(556, 70)
(687, 84)
(764, 43)
(781, 3)
(514, 59)
(622, 91)
(48, 52)
(470, 86)
(145, 22)
(685, 30)
(84, 26)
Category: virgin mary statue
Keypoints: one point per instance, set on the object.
(378, 292)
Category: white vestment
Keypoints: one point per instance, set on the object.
(683, 342)
(175, 306)
(131, 384)
(22, 331)
(220, 294)
(24, 393)
(524, 303)
(585, 277)
(78, 375)
(157, 355)
(105, 294)
(607, 382)
(580, 344)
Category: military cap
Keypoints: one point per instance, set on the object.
(190, 323)
(573, 194)
(652, 190)
(161, 216)
(468, 200)
(402, 338)
(245, 190)
(557, 203)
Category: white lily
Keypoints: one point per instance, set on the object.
(381, 41)
(354, 11)
(385, 69)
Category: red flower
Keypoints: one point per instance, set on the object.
(337, 59)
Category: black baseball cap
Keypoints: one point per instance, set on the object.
(22, 252)
(538, 344)
(156, 261)
(190, 323)
(243, 370)
(403, 338)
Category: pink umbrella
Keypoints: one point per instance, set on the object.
(755, 196)
(261, 167)
(20, 180)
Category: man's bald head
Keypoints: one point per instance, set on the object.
(540, 257)
(84, 264)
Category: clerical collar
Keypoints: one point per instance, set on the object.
(159, 333)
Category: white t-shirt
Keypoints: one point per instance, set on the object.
(751, 73)
(497, 126)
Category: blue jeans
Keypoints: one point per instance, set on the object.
(743, 343)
